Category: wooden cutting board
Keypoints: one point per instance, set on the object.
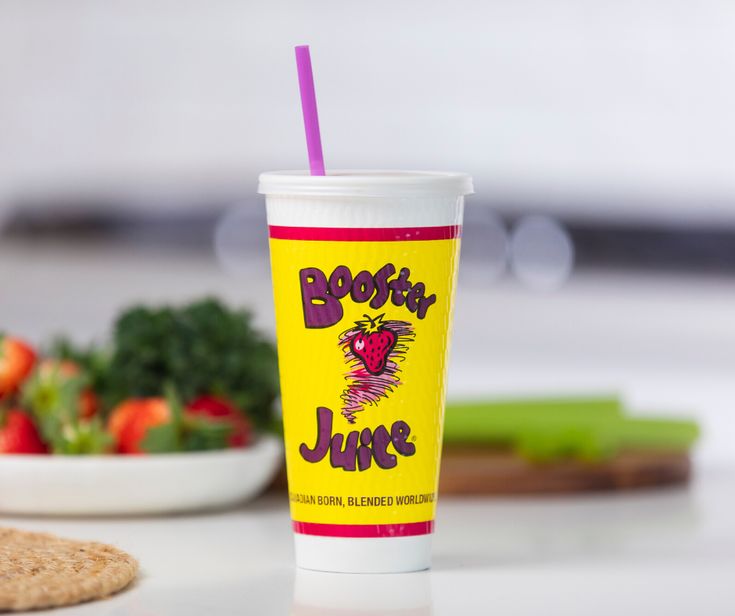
(481, 471)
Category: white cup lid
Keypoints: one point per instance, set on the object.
(360, 183)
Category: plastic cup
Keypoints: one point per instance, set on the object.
(364, 266)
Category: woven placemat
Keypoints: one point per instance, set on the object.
(38, 570)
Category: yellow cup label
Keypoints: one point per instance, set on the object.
(363, 320)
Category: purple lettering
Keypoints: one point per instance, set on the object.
(321, 298)
(344, 458)
(356, 450)
(416, 300)
(412, 297)
(382, 290)
(362, 287)
(399, 435)
(424, 304)
(399, 286)
(340, 281)
(364, 453)
(323, 434)
(320, 308)
(381, 439)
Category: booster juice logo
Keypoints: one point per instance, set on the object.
(359, 448)
(322, 297)
(373, 348)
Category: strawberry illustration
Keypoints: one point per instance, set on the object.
(373, 343)
(374, 350)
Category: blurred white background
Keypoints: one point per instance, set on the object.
(563, 102)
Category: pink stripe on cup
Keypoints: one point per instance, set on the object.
(410, 529)
(365, 234)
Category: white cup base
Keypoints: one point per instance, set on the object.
(363, 555)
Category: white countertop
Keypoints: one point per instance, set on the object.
(668, 551)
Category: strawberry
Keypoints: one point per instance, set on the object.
(16, 362)
(221, 410)
(373, 343)
(160, 425)
(55, 373)
(130, 421)
(62, 404)
(18, 434)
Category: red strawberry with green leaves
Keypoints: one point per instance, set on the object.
(162, 425)
(52, 375)
(18, 434)
(58, 396)
(219, 409)
(16, 362)
(373, 343)
(131, 420)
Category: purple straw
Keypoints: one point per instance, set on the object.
(308, 106)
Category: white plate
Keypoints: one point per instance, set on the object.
(122, 485)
